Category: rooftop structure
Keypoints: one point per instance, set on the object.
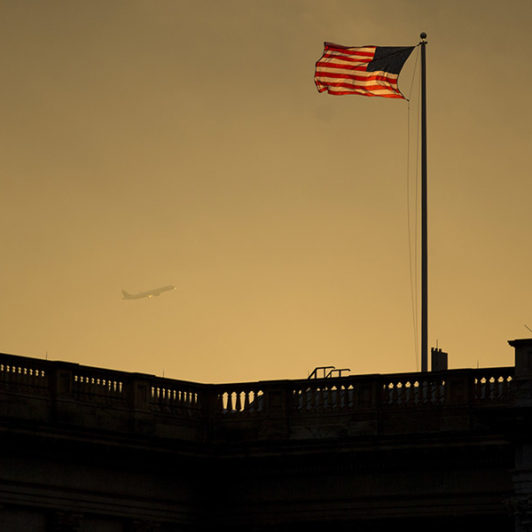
(86, 448)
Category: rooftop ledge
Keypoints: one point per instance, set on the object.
(86, 383)
(55, 393)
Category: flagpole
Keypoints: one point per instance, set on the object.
(424, 268)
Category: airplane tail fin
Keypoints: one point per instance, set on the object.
(125, 295)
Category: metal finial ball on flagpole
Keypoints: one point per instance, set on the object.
(423, 35)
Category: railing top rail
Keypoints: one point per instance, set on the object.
(18, 360)
(125, 376)
(92, 371)
(377, 377)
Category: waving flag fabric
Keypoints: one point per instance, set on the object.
(366, 70)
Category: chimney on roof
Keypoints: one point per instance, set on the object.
(523, 357)
(438, 359)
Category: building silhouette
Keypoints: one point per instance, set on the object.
(89, 449)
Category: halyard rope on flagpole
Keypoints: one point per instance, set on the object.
(412, 246)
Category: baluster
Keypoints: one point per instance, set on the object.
(500, 387)
(326, 394)
(399, 390)
(390, 390)
(229, 398)
(482, 388)
(425, 392)
(438, 389)
(310, 399)
(350, 396)
(489, 389)
(318, 398)
(252, 401)
(296, 399)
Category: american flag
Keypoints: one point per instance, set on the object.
(365, 70)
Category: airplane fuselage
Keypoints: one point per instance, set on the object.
(148, 293)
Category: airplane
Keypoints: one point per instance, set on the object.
(148, 293)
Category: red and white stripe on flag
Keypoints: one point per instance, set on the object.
(354, 70)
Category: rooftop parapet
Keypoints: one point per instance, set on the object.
(35, 390)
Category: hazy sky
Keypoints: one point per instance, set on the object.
(147, 143)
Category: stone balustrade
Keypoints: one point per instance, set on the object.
(76, 388)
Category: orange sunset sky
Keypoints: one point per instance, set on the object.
(147, 143)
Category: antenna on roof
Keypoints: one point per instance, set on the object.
(528, 327)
